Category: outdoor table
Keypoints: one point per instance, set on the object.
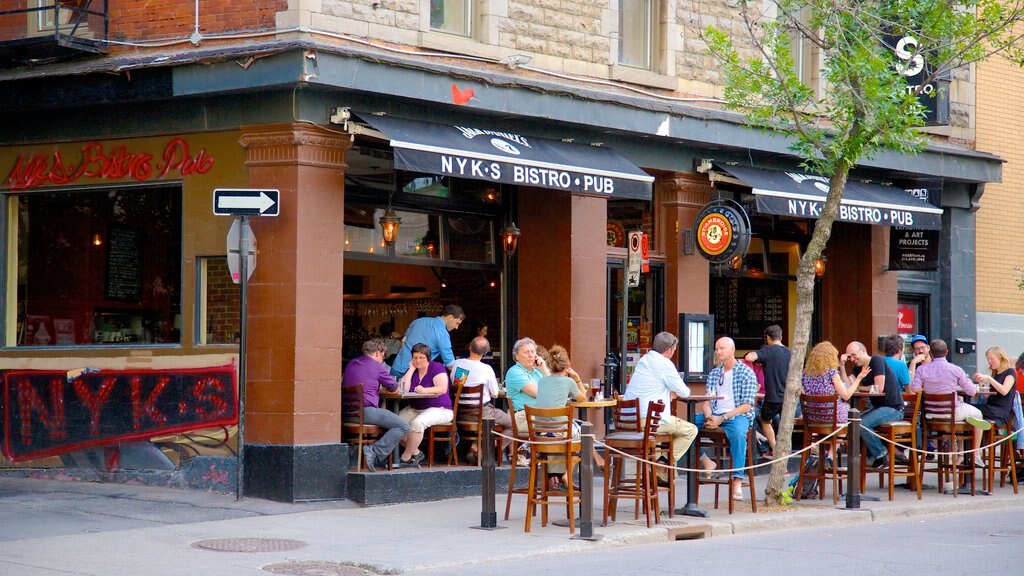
(582, 406)
(860, 397)
(690, 508)
(393, 401)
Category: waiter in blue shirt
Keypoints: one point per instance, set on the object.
(434, 333)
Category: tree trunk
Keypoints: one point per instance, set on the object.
(801, 334)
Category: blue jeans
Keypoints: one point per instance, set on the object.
(736, 431)
(396, 430)
(873, 418)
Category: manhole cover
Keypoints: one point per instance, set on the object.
(314, 568)
(249, 544)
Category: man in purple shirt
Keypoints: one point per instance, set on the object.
(370, 371)
(941, 377)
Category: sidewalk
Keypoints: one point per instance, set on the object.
(93, 529)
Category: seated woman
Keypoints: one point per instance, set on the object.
(555, 391)
(998, 407)
(425, 377)
(821, 378)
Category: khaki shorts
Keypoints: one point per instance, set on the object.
(420, 420)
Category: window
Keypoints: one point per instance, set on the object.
(450, 16)
(97, 267)
(803, 51)
(636, 32)
(219, 303)
(625, 216)
(41, 22)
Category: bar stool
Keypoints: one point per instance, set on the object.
(1004, 453)
(546, 425)
(902, 432)
(939, 423)
(820, 421)
(642, 446)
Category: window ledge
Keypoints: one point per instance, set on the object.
(643, 77)
(458, 44)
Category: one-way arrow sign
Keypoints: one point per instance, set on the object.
(243, 202)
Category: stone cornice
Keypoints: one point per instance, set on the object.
(283, 144)
(685, 190)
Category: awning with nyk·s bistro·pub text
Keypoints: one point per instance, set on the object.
(470, 151)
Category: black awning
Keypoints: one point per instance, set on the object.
(787, 193)
(469, 151)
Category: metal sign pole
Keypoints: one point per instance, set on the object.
(243, 255)
(622, 335)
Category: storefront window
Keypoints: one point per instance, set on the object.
(219, 303)
(625, 216)
(99, 267)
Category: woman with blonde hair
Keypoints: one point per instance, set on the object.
(997, 407)
(821, 378)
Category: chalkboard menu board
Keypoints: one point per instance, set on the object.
(744, 307)
(124, 263)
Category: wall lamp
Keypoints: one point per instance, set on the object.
(819, 266)
(510, 238)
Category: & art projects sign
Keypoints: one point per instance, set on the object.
(95, 160)
(48, 412)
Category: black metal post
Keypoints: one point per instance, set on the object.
(854, 464)
(587, 483)
(488, 465)
(243, 256)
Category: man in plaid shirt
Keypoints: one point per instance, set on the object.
(736, 383)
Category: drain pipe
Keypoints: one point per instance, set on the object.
(196, 38)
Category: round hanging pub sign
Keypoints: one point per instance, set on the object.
(722, 231)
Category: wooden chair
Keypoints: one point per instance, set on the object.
(447, 433)
(1005, 453)
(903, 432)
(516, 433)
(641, 445)
(470, 415)
(353, 428)
(718, 443)
(625, 422)
(819, 415)
(939, 423)
(546, 425)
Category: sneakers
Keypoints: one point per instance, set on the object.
(979, 423)
(880, 463)
(948, 487)
(370, 459)
(523, 461)
(978, 462)
(413, 461)
(902, 459)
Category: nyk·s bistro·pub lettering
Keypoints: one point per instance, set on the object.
(47, 413)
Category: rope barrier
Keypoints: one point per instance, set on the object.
(937, 453)
(597, 442)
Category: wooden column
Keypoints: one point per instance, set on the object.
(293, 394)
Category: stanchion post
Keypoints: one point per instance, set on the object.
(854, 464)
(488, 465)
(586, 483)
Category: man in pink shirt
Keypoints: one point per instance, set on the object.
(941, 377)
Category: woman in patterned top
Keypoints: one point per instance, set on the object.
(821, 378)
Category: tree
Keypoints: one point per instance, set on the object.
(866, 105)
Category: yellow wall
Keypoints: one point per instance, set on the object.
(204, 235)
(1000, 241)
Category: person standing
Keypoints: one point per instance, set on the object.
(434, 333)
(370, 371)
(736, 383)
(774, 357)
(481, 373)
(656, 379)
(888, 408)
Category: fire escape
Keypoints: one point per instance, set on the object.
(48, 31)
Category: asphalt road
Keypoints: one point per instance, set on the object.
(979, 543)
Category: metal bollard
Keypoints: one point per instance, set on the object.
(488, 513)
(586, 483)
(853, 465)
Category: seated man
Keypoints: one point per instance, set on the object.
(736, 383)
(480, 373)
(656, 378)
(424, 377)
(878, 377)
(370, 371)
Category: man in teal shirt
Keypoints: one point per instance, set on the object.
(434, 333)
(521, 379)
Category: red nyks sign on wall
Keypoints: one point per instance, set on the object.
(47, 414)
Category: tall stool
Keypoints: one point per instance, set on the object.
(643, 447)
(547, 425)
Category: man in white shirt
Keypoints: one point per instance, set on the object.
(480, 373)
(656, 378)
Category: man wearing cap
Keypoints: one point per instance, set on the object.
(922, 353)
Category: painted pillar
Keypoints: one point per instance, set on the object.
(293, 394)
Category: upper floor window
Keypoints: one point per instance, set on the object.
(637, 32)
(450, 16)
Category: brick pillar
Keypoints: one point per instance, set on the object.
(687, 286)
(293, 395)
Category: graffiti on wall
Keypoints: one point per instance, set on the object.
(117, 162)
(48, 412)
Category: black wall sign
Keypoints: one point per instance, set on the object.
(722, 231)
(744, 307)
(45, 413)
(912, 249)
(914, 64)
